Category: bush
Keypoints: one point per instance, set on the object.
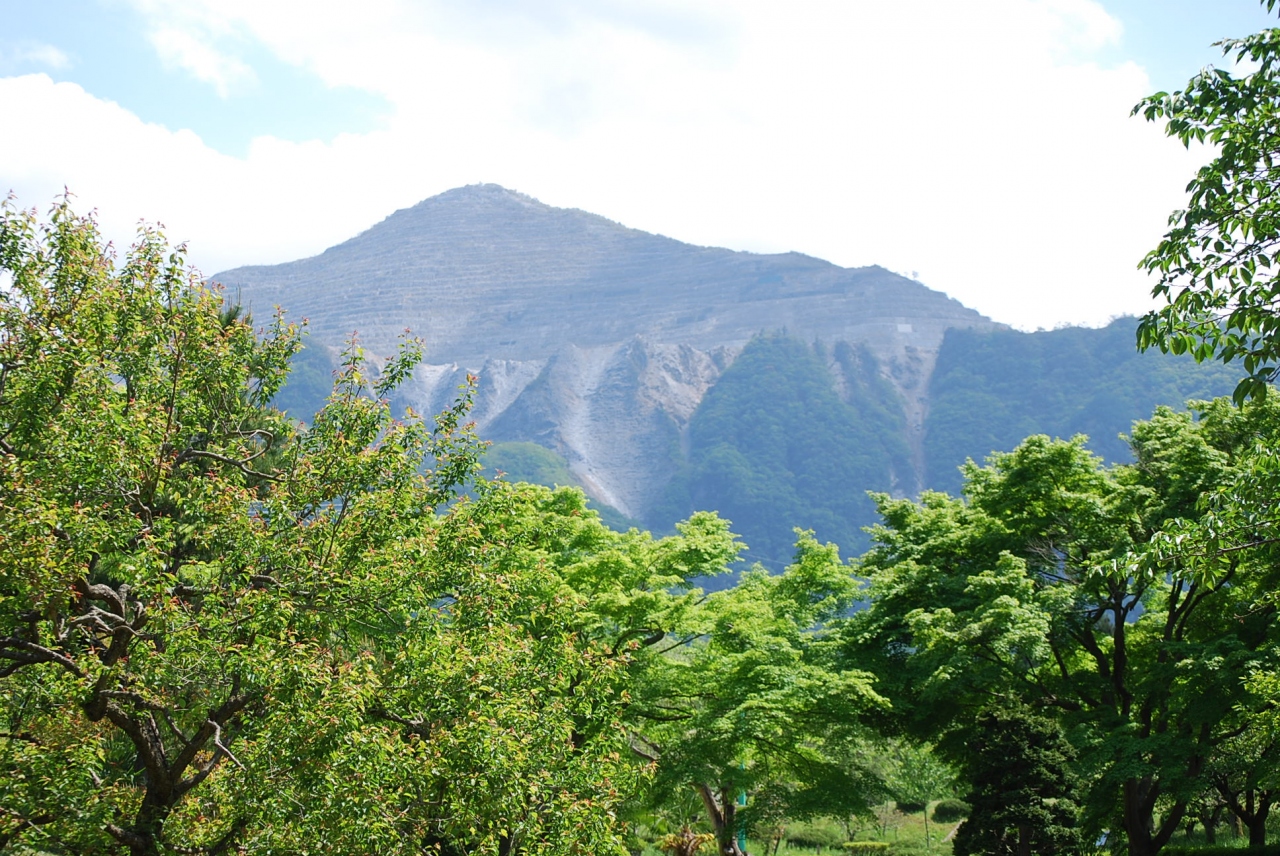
(949, 811)
(866, 848)
(907, 848)
(816, 835)
(911, 807)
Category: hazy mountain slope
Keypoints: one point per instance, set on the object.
(775, 446)
(665, 377)
(591, 339)
(482, 273)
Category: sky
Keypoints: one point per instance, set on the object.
(984, 147)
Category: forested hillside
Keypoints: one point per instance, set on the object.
(992, 389)
(795, 434)
(775, 446)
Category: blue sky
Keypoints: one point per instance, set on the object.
(984, 145)
(107, 52)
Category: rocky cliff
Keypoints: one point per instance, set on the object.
(598, 341)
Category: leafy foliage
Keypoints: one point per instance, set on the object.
(1216, 263)
(737, 694)
(951, 810)
(1022, 799)
(219, 631)
(1108, 595)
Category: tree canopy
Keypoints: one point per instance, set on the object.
(220, 631)
(1217, 264)
(1105, 596)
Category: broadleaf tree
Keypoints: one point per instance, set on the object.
(1218, 264)
(220, 631)
(1091, 594)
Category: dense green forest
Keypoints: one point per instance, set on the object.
(991, 389)
(772, 446)
(227, 630)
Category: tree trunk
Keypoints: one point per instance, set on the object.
(1258, 831)
(142, 836)
(1252, 815)
(727, 836)
(1139, 818)
(721, 811)
(1209, 819)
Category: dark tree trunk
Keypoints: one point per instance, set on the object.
(1258, 831)
(1209, 819)
(1139, 818)
(1252, 814)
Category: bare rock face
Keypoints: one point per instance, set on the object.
(590, 338)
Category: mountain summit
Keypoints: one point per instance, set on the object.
(592, 339)
(484, 272)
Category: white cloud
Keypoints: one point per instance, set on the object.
(182, 49)
(975, 142)
(35, 54)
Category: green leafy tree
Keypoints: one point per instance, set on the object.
(916, 777)
(1021, 796)
(1217, 263)
(1095, 594)
(1243, 772)
(728, 694)
(219, 632)
(745, 700)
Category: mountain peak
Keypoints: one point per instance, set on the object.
(590, 337)
(483, 271)
(480, 194)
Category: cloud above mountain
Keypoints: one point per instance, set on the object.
(986, 146)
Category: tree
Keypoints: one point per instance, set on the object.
(740, 699)
(917, 777)
(1243, 772)
(1094, 594)
(220, 631)
(1021, 795)
(1218, 262)
(729, 694)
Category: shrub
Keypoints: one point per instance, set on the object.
(949, 811)
(866, 848)
(911, 807)
(907, 848)
(816, 835)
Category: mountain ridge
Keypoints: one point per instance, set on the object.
(602, 344)
(629, 329)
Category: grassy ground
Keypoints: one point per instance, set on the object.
(905, 832)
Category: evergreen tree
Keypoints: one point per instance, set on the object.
(1017, 765)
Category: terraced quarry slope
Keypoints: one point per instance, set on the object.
(592, 339)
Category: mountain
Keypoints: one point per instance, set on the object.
(666, 377)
